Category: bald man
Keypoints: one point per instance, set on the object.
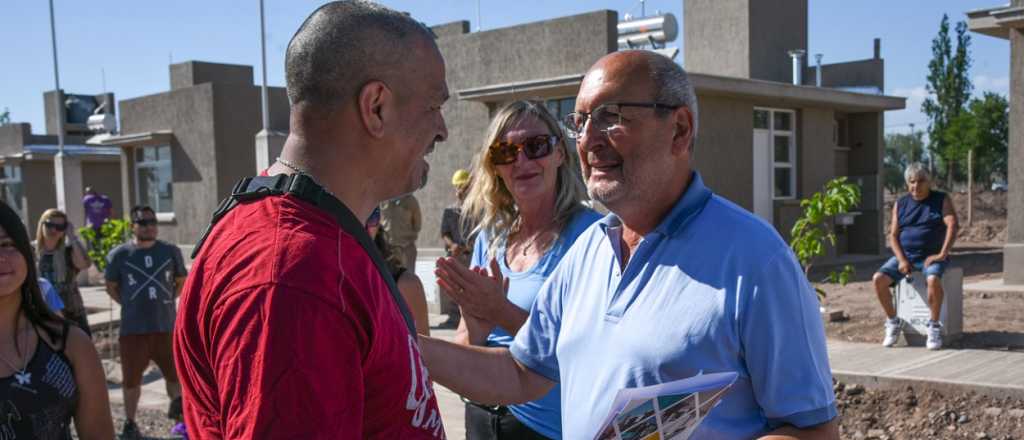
(675, 282)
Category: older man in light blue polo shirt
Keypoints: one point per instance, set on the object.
(675, 282)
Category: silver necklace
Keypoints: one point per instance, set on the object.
(299, 170)
(23, 377)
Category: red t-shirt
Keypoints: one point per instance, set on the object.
(287, 330)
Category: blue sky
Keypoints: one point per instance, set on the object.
(130, 42)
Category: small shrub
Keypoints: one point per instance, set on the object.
(815, 227)
(112, 233)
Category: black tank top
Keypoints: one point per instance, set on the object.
(40, 403)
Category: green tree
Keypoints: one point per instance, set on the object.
(5, 116)
(984, 129)
(900, 151)
(991, 114)
(950, 87)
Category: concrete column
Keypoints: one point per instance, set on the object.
(268, 147)
(1013, 253)
(68, 173)
(126, 184)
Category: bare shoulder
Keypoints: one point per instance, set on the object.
(79, 345)
(409, 279)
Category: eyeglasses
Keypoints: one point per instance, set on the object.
(504, 153)
(56, 226)
(606, 118)
(145, 222)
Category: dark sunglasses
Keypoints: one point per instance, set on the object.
(145, 222)
(56, 226)
(504, 153)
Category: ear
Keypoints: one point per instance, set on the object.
(683, 137)
(375, 102)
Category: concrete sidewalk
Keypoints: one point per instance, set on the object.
(994, 373)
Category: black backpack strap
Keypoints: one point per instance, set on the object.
(305, 188)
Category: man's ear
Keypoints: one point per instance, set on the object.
(683, 136)
(374, 104)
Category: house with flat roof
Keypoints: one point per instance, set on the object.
(764, 142)
(27, 173)
(181, 151)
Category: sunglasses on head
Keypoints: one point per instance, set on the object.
(56, 226)
(504, 153)
(145, 222)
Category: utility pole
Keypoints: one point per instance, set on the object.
(269, 143)
(67, 171)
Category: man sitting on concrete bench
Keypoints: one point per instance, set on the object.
(923, 229)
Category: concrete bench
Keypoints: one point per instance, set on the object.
(911, 299)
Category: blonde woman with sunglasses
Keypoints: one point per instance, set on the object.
(526, 198)
(61, 257)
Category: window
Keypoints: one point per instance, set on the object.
(780, 126)
(153, 178)
(12, 189)
(560, 108)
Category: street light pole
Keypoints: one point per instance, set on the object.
(56, 80)
(269, 143)
(263, 50)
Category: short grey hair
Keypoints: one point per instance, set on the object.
(917, 170)
(673, 87)
(345, 44)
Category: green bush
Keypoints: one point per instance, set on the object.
(815, 228)
(112, 233)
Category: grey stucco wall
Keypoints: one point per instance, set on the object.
(238, 118)
(40, 190)
(534, 51)
(727, 24)
(191, 73)
(869, 72)
(13, 137)
(723, 153)
(189, 113)
(815, 151)
(776, 27)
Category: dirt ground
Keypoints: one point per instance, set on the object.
(906, 413)
(153, 424)
(992, 320)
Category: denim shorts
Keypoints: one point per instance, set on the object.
(891, 268)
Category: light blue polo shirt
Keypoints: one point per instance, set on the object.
(713, 288)
(541, 415)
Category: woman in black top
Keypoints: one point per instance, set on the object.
(49, 371)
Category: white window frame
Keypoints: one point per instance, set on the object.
(791, 162)
(154, 164)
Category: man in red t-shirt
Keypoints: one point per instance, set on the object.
(286, 328)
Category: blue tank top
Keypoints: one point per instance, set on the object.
(922, 230)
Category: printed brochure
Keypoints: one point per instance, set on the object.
(666, 411)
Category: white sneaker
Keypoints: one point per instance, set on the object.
(893, 328)
(934, 341)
